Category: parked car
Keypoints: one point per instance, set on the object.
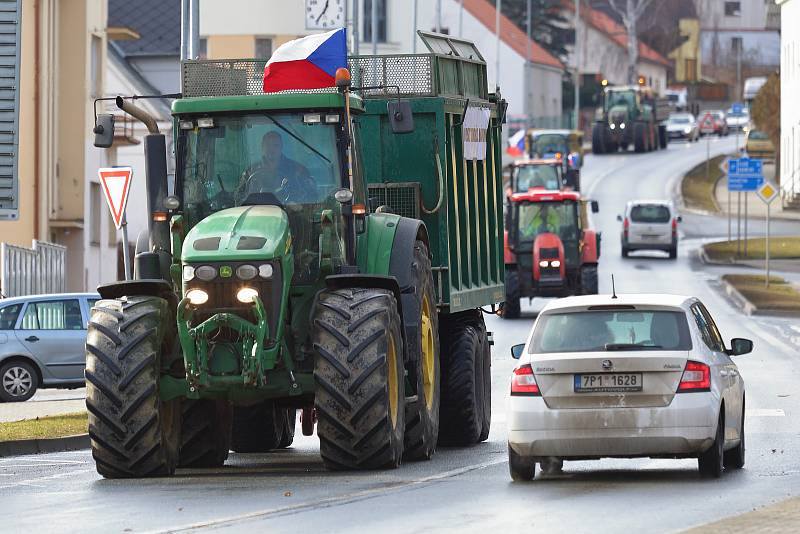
(626, 376)
(737, 121)
(682, 126)
(649, 225)
(716, 124)
(42, 343)
(757, 144)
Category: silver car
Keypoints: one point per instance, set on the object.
(627, 376)
(649, 225)
(42, 343)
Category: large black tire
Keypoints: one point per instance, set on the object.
(260, 427)
(359, 377)
(133, 432)
(663, 138)
(673, 252)
(589, 280)
(734, 458)
(511, 307)
(639, 141)
(287, 436)
(520, 468)
(462, 412)
(486, 382)
(711, 462)
(598, 139)
(205, 433)
(18, 381)
(422, 412)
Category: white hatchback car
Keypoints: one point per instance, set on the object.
(627, 376)
(650, 225)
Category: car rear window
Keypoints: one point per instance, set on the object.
(650, 213)
(611, 331)
(8, 316)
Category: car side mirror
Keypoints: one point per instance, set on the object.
(400, 116)
(104, 130)
(619, 218)
(516, 351)
(679, 218)
(740, 345)
(595, 206)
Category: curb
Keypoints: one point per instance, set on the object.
(747, 307)
(41, 446)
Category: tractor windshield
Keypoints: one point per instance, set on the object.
(548, 145)
(285, 158)
(560, 218)
(620, 98)
(531, 176)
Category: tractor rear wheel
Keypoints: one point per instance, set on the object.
(639, 142)
(133, 432)
(205, 433)
(359, 374)
(260, 427)
(511, 307)
(463, 421)
(287, 437)
(422, 413)
(589, 280)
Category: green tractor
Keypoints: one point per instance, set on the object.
(323, 251)
(631, 115)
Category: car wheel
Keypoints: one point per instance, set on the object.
(673, 252)
(18, 381)
(710, 463)
(522, 469)
(734, 458)
(625, 252)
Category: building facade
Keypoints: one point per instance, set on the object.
(790, 106)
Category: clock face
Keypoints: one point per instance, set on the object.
(324, 14)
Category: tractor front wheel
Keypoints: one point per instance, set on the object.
(359, 374)
(589, 280)
(639, 141)
(262, 427)
(205, 433)
(511, 307)
(133, 432)
(598, 139)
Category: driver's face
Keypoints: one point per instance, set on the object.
(271, 147)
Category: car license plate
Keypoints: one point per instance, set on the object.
(608, 382)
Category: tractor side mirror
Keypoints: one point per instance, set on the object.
(516, 351)
(595, 206)
(400, 116)
(104, 130)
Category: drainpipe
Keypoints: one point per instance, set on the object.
(36, 117)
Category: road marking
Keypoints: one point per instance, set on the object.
(331, 501)
(764, 412)
(32, 481)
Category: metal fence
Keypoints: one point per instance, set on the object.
(32, 271)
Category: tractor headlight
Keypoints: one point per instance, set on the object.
(555, 263)
(197, 296)
(622, 126)
(188, 273)
(206, 273)
(612, 126)
(246, 272)
(265, 271)
(247, 295)
(544, 263)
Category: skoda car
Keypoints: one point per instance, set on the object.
(624, 377)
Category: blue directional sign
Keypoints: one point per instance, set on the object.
(737, 108)
(745, 174)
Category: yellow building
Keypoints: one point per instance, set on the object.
(687, 55)
(62, 61)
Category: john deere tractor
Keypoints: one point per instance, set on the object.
(317, 255)
(630, 116)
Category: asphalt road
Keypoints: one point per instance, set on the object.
(469, 489)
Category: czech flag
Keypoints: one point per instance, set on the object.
(516, 144)
(306, 63)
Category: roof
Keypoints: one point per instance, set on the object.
(543, 195)
(616, 32)
(158, 22)
(48, 296)
(527, 162)
(510, 33)
(277, 101)
(645, 299)
(559, 131)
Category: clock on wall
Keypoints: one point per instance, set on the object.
(325, 14)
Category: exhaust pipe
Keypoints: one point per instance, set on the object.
(137, 112)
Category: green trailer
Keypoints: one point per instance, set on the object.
(324, 251)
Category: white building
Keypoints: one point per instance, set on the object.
(790, 106)
(270, 23)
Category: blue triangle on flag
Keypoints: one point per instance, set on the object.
(331, 54)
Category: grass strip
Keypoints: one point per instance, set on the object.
(697, 190)
(56, 426)
(779, 296)
(780, 248)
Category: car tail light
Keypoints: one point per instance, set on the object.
(626, 224)
(674, 227)
(523, 383)
(696, 377)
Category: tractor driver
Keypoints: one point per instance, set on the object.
(275, 173)
(545, 219)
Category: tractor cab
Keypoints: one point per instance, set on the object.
(530, 174)
(564, 146)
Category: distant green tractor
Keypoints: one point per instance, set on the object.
(630, 116)
(282, 274)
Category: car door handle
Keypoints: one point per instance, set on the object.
(32, 339)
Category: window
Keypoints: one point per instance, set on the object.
(8, 316)
(96, 72)
(736, 44)
(96, 205)
(203, 52)
(263, 47)
(716, 337)
(650, 214)
(381, 7)
(733, 9)
(53, 315)
(705, 329)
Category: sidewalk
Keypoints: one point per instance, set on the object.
(755, 207)
(777, 518)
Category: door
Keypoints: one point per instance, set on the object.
(54, 332)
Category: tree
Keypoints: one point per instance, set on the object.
(549, 28)
(766, 113)
(629, 12)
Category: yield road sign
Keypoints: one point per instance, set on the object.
(116, 182)
(767, 192)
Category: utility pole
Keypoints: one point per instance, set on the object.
(461, 19)
(184, 30)
(414, 28)
(438, 16)
(527, 71)
(498, 10)
(356, 37)
(577, 64)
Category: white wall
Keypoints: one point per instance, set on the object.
(790, 105)
(753, 14)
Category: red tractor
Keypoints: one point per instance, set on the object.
(550, 251)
